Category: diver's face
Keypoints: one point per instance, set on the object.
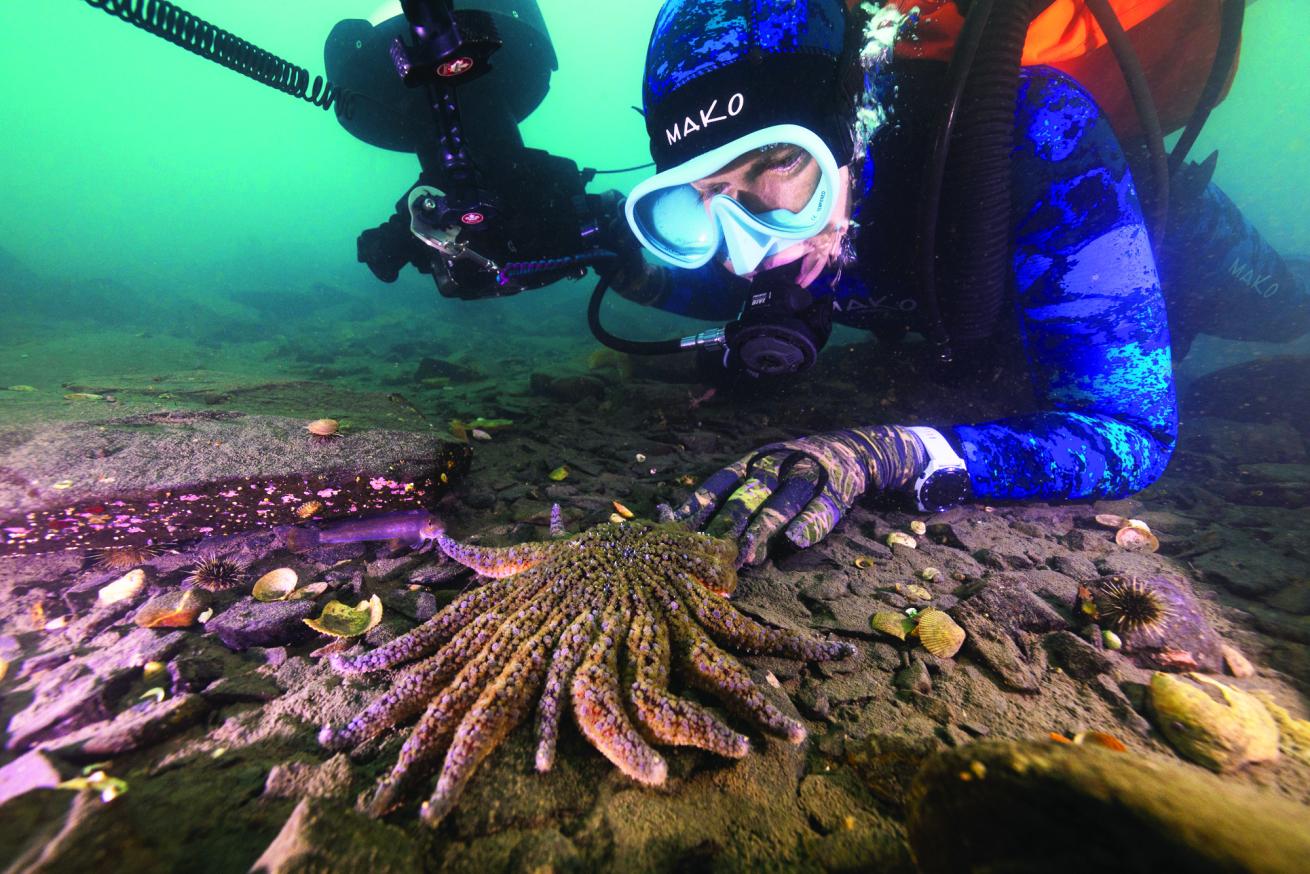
(783, 176)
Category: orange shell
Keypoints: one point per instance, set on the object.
(323, 427)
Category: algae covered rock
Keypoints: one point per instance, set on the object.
(1221, 735)
(1028, 806)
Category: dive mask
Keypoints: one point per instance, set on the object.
(679, 226)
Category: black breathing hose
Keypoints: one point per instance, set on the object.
(1230, 39)
(631, 347)
(198, 36)
(966, 48)
(1157, 208)
(978, 122)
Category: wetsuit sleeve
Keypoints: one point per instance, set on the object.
(1091, 316)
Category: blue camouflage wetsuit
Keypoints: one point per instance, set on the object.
(1088, 308)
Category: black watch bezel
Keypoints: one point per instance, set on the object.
(947, 487)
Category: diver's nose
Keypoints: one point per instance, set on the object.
(749, 199)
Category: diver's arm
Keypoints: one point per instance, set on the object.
(1091, 315)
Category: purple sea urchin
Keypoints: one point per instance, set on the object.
(123, 558)
(214, 574)
(1130, 606)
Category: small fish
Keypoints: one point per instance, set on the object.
(479, 434)
(20, 388)
(82, 396)
(406, 525)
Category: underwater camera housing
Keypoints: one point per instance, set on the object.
(488, 216)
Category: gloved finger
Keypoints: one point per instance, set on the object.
(817, 519)
(797, 489)
(737, 510)
(702, 503)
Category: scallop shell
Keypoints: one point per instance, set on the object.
(1110, 520)
(309, 508)
(939, 634)
(313, 590)
(914, 591)
(863, 562)
(929, 574)
(276, 585)
(339, 620)
(918, 527)
(900, 538)
(1137, 537)
(323, 427)
(898, 625)
(127, 586)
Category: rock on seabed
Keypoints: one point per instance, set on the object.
(988, 807)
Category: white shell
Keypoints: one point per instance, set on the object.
(129, 585)
(276, 585)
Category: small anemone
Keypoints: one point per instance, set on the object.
(1132, 607)
(215, 574)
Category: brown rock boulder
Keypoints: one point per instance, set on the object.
(1027, 806)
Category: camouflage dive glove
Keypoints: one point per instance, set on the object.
(803, 486)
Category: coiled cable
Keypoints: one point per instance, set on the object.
(167, 21)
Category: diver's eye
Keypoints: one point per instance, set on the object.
(788, 161)
(707, 191)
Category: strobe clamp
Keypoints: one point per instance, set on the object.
(450, 48)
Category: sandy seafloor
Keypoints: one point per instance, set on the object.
(236, 774)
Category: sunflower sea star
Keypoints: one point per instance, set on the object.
(597, 617)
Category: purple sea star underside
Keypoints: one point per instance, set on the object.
(593, 622)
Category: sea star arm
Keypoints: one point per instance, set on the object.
(717, 672)
(428, 637)
(573, 645)
(598, 709)
(497, 562)
(434, 729)
(730, 626)
(668, 719)
(413, 687)
(501, 706)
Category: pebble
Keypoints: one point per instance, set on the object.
(915, 678)
(1238, 665)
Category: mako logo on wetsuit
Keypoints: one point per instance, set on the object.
(1259, 283)
(736, 103)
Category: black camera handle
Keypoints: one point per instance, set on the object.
(449, 49)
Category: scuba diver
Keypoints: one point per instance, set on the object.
(767, 185)
(800, 180)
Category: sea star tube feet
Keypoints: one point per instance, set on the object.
(593, 624)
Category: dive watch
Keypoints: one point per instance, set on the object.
(945, 481)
